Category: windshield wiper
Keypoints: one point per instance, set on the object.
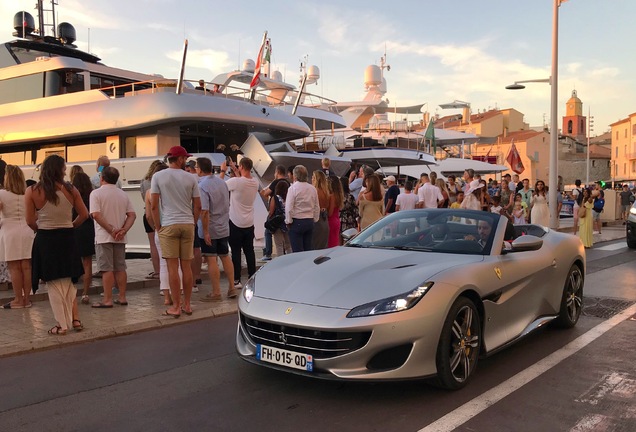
(412, 248)
(357, 245)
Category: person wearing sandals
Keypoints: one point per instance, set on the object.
(164, 284)
(214, 228)
(85, 233)
(114, 215)
(16, 238)
(49, 208)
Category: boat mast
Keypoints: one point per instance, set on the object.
(42, 21)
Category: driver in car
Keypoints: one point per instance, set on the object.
(484, 228)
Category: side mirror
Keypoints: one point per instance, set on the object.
(526, 243)
(349, 234)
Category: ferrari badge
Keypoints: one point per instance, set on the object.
(498, 272)
(288, 311)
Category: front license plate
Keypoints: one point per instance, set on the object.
(285, 358)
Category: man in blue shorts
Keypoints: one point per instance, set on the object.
(214, 229)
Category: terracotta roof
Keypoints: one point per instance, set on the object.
(622, 120)
(523, 135)
(451, 120)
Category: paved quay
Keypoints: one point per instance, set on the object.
(25, 330)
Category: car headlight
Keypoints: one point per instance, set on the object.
(633, 210)
(248, 289)
(392, 304)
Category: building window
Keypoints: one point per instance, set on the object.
(616, 151)
(633, 166)
(634, 129)
(624, 168)
(625, 150)
(569, 126)
(625, 132)
(617, 135)
(593, 163)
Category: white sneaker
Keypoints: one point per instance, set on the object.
(237, 285)
(195, 289)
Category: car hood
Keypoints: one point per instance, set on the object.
(346, 277)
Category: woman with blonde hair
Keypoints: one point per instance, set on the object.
(76, 169)
(441, 184)
(49, 211)
(336, 203)
(16, 238)
(371, 202)
(321, 228)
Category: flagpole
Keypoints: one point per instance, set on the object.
(257, 69)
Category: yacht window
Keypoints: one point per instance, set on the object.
(21, 88)
(6, 59)
(63, 81)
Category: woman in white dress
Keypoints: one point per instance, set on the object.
(16, 238)
(4, 270)
(472, 200)
(540, 213)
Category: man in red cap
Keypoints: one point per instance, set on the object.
(176, 204)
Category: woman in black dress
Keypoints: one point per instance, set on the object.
(85, 234)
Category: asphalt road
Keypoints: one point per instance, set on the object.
(188, 377)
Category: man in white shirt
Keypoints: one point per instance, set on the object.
(113, 215)
(177, 192)
(429, 195)
(243, 190)
(301, 211)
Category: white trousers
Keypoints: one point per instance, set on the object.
(62, 292)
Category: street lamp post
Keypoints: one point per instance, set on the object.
(554, 125)
(554, 128)
(590, 128)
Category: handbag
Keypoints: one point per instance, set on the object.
(274, 223)
(277, 220)
(582, 211)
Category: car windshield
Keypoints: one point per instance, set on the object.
(432, 230)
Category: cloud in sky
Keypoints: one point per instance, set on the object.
(438, 52)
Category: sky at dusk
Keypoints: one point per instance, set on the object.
(439, 51)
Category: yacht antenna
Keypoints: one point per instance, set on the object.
(42, 19)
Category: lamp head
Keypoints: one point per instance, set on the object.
(515, 86)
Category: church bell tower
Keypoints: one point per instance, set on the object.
(574, 123)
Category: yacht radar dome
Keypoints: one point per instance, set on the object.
(372, 76)
(248, 65)
(277, 76)
(23, 23)
(66, 33)
(313, 74)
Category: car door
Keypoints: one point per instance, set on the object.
(522, 280)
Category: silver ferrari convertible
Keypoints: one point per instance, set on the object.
(418, 294)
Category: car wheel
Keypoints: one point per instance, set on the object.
(572, 300)
(459, 345)
(631, 244)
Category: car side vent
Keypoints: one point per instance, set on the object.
(403, 266)
(321, 259)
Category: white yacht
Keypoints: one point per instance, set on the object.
(57, 99)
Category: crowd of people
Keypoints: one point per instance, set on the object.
(52, 229)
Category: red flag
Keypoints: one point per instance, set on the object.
(257, 70)
(514, 160)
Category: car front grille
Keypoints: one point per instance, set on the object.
(319, 343)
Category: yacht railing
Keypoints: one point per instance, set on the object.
(230, 92)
